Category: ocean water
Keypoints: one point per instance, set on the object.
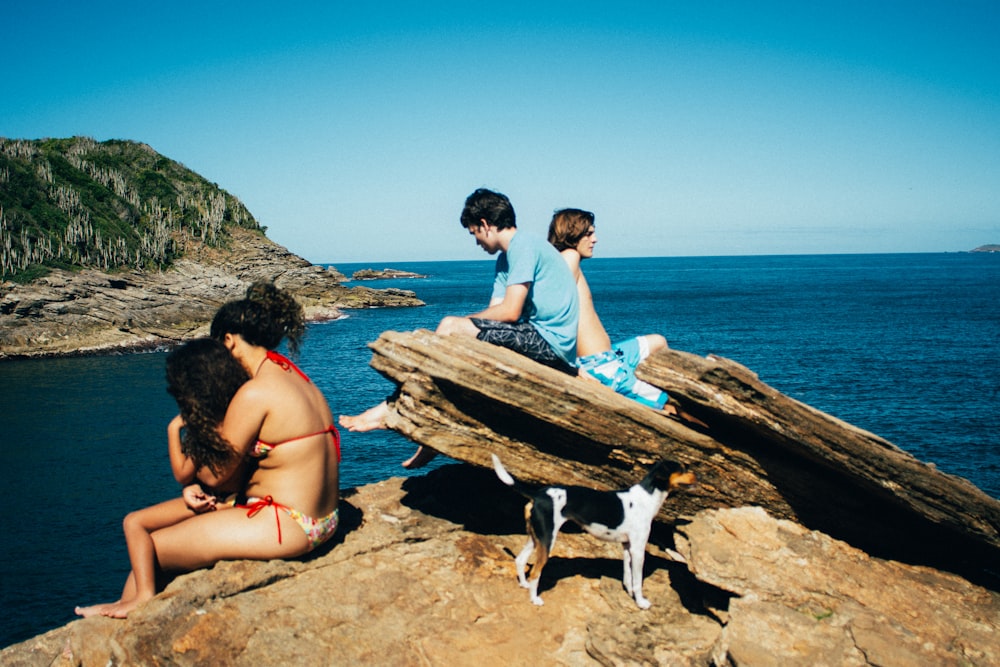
(905, 346)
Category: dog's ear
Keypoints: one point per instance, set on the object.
(658, 476)
(670, 475)
(664, 468)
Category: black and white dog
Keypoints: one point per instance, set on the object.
(615, 516)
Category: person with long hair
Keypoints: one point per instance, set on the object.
(573, 233)
(276, 445)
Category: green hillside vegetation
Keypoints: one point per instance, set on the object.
(113, 205)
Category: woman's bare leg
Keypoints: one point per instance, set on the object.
(228, 534)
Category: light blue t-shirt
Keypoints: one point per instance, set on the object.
(552, 306)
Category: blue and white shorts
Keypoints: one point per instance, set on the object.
(616, 369)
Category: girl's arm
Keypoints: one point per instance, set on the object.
(181, 465)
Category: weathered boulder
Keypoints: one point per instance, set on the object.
(422, 573)
(804, 598)
(466, 399)
(72, 312)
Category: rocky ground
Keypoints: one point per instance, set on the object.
(80, 312)
(423, 574)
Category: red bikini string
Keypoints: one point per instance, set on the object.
(286, 364)
(260, 504)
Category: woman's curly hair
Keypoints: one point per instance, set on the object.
(264, 317)
(203, 377)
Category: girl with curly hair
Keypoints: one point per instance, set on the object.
(276, 445)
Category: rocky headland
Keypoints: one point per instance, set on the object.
(806, 542)
(89, 311)
(111, 246)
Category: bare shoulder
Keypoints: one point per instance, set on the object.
(572, 259)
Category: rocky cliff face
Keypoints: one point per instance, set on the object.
(90, 311)
(422, 573)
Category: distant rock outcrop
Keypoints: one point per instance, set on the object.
(422, 573)
(990, 247)
(87, 311)
(384, 274)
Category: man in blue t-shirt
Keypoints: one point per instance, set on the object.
(533, 310)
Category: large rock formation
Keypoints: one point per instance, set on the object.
(466, 399)
(72, 312)
(422, 573)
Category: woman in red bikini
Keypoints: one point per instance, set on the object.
(279, 423)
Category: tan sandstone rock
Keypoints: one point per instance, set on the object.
(422, 574)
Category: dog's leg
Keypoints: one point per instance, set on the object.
(637, 553)
(627, 567)
(543, 526)
(522, 562)
(542, 558)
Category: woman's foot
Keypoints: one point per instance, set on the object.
(93, 610)
(121, 609)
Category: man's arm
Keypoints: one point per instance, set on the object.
(510, 308)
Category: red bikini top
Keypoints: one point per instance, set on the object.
(262, 449)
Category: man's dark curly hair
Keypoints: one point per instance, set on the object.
(493, 207)
(203, 377)
(265, 317)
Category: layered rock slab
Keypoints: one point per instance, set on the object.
(468, 399)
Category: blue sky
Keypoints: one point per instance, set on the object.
(354, 132)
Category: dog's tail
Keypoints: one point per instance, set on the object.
(502, 472)
(507, 479)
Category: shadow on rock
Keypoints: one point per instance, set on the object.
(468, 496)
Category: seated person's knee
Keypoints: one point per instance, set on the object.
(656, 342)
(451, 325)
(132, 520)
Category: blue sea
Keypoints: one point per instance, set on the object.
(904, 345)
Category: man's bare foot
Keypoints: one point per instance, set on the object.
(93, 610)
(422, 457)
(369, 420)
